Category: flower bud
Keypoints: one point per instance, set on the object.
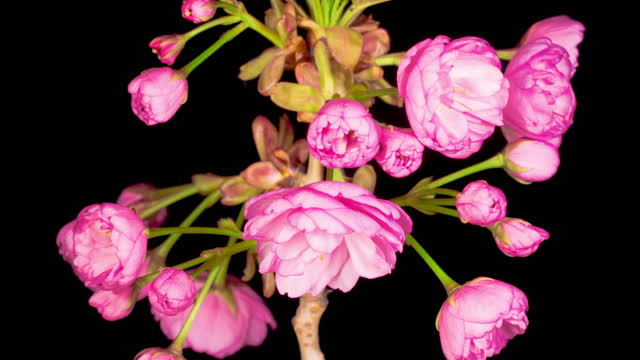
(481, 204)
(172, 292)
(64, 240)
(400, 152)
(157, 353)
(168, 47)
(137, 197)
(343, 135)
(516, 237)
(157, 94)
(531, 160)
(198, 11)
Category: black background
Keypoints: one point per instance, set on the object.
(89, 145)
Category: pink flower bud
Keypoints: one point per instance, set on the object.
(343, 134)
(480, 317)
(327, 233)
(109, 246)
(481, 204)
(561, 30)
(228, 320)
(168, 47)
(531, 161)
(400, 152)
(137, 197)
(172, 292)
(454, 93)
(157, 353)
(516, 237)
(198, 11)
(64, 240)
(157, 93)
(541, 100)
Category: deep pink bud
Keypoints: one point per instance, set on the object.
(198, 11)
(327, 233)
(168, 47)
(219, 329)
(454, 93)
(481, 204)
(157, 93)
(137, 197)
(480, 317)
(109, 246)
(400, 152)
(343, 134)
(561, 30)
(541, 100)
(64, 240)
(172, 292)
(531, 161)
(516, 237)
(157, 353)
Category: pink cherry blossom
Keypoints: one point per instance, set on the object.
(157, 353)
(480, 317)
(400, 152)
(516, 237)
(531, 160)
(168, 47)
(157, 94)
(343, 134)
(109, 246)
(218, 329)
(172, 292)
(454, 93)
(327, 233)
(198, 11)
(137, 197)
(561, 30)
(541, 100)
(64, 240)
(481, 204)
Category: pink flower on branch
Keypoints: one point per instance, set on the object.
(400, 153)
(172, 292)
(168, 47)
(480, 317)
(157, 353)
(531, 161)
(326, 233)
(454, 93)
(198, 11)
(157, 94)
(481, 204)
(516, 237)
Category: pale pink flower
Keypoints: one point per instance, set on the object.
(541, 100)
(198, 11)
(137, 197)
(168, 47)
(157, 94)
(64, 240)
(561, 30)
(157, 353)
(400, 152)
(218, 329)
(327, 233)
(343, 134)
(481, 204)
(480, 317)
(172, 292)
(454, 93)
(109, 246)
(531, 160)
(516, 237)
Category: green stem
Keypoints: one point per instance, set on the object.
(225, 20)
(182, 266)
(183, 193)
(449, 284)
(225, 38)
(425, 206)
(192, 230)
(336, 175)
(374, 93)
(338, 11)
(440, 201)
(209, 201)
(506, 54)
(496, 161)
(392, 59)
(354, 10)
(162, 192)
(316, 11)
(222, 276)
(257, 26)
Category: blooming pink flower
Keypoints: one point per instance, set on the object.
(168, 47)
(531, 160)
(400, 152)
(157, 353)
(454, 93)
(325, 233)
(109, 246)
(541, 100)
(218, 329)
(481, 204)
(343, 134)
(561, 30)
(172, 292)
(512, 135)
(64, 240)
(137, 198)
(480, 317)
(157, 93)
(516, 237)
(198, 11)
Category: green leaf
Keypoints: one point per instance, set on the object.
(345, 45)
(254, 67)
(271, 74)
(296, 97)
